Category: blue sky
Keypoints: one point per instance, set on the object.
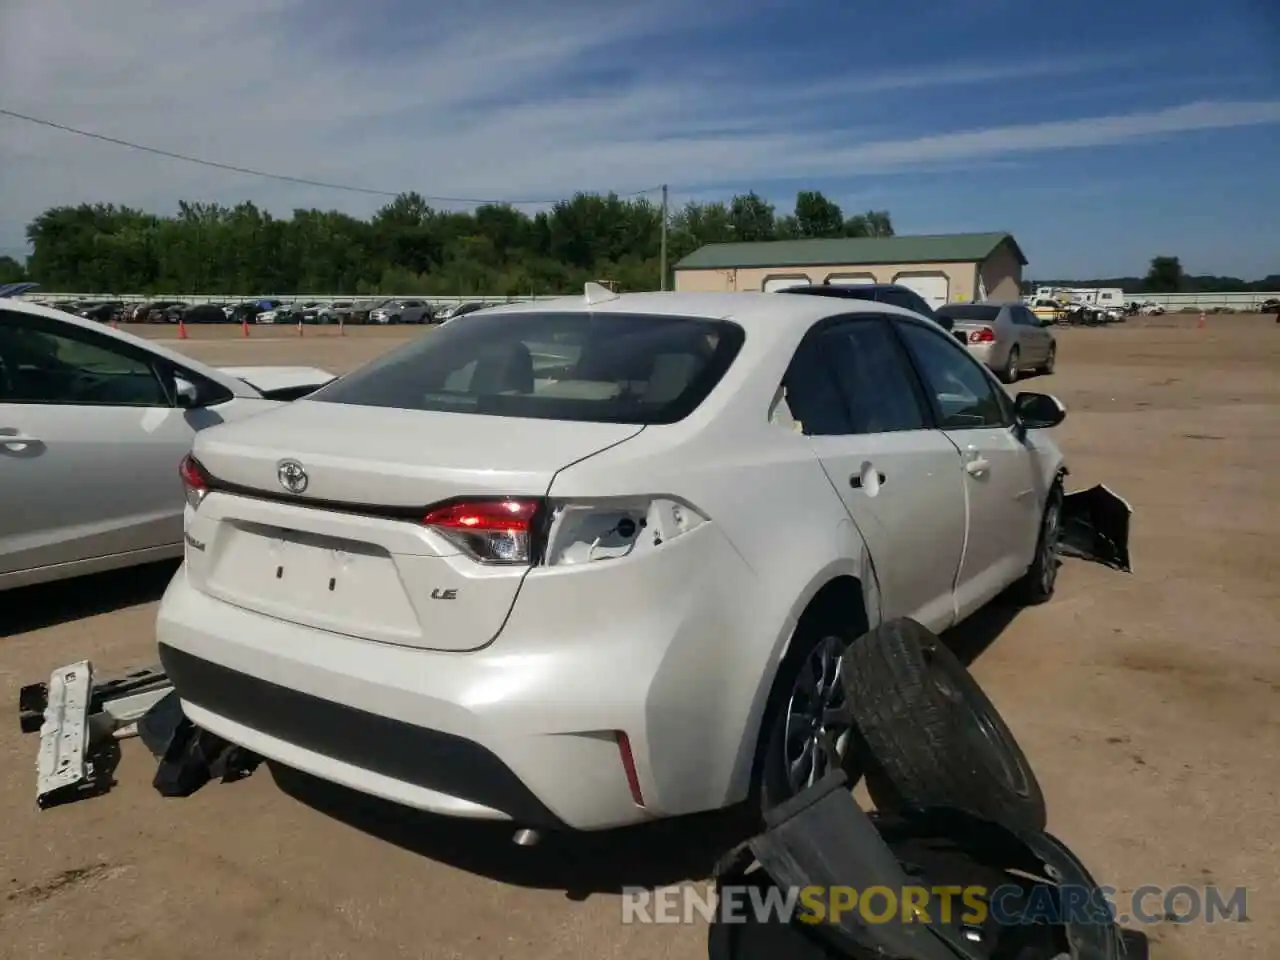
(1100, 133)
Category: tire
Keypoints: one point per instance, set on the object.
(770, 785)
(1038, 583)
(1050, 361)
(929, 736)
(1009, 374)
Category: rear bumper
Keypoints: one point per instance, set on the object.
(341, 743)
(522, 730)
(987, 353)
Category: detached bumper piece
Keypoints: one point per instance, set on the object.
(822, 840)
(77, 716)
(1095, 526)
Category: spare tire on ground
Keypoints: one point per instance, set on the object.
(929, 736)
(986, 892)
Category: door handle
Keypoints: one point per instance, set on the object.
(855, 480)
(14, 441)
(977, 466)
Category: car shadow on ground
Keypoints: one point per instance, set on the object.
(581, 864)
(651, 855)
(972, 638)
(48, 604)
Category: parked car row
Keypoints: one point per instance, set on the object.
(354, 311)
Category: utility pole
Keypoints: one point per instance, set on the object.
(662, 256)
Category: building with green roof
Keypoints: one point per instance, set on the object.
(945, 268)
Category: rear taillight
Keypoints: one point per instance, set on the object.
(490, 531)
(195, 480)
(982, 335)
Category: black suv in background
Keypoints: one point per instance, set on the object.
(890, 293)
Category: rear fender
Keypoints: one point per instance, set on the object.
(853, 561)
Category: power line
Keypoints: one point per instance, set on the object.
(280, 176)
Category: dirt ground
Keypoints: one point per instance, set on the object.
(1149, 705)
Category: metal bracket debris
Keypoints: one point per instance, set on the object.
(75, 714)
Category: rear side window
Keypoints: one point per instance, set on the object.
(875, 378)
(853, 379)
(607, 368)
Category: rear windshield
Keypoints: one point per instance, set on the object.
(608, 368)
(981, 312)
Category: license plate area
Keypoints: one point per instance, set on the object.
(347, 586)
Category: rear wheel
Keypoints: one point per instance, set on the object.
(808, 724)
(929, 734)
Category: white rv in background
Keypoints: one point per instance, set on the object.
(1097, 296)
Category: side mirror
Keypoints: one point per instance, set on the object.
(186, 392)
(1038, 411)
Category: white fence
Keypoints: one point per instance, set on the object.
(1239, 302)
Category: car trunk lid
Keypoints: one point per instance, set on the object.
(348, 552)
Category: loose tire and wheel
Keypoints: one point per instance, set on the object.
(1038, 583)
(1009, 374)
(929, 735)
(807, 716)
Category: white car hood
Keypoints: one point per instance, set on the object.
(279, 378)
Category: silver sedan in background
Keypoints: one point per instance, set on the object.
(1007, 337)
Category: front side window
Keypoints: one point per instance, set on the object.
(607, 368)
(43, 361)
(963, 395)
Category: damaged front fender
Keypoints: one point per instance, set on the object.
(1095, 526)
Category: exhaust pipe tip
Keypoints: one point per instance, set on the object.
(527, 838)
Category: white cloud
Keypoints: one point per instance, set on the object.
(459, 104)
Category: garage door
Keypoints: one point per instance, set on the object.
(850, 279)
(935, 288)
(774, 284)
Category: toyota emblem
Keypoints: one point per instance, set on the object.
(292, 476)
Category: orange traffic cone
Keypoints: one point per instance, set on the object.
(1200, 324)
(182, 328)
(244, 326)
(299, 327)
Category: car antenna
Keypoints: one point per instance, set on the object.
(597, 293)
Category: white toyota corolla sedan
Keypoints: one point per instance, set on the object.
(91, 422)
(587, 562)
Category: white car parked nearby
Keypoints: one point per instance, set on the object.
(588, 562)
(93, 423)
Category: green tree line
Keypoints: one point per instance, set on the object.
(406, 247)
